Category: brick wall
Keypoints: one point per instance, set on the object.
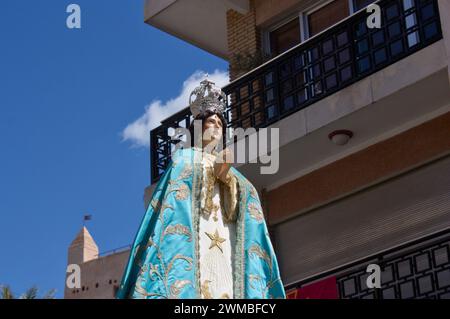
(244, 42)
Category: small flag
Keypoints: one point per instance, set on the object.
(87, 217)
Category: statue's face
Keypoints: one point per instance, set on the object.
(212, 129)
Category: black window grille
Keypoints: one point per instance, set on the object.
(416, 270)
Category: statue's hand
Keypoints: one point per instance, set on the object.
(223, 163)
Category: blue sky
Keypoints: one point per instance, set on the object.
(75, 106)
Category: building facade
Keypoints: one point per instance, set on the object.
(100, 274)
(364, 125)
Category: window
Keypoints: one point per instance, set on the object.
(285, 37)
(328, 15)
(311, 22)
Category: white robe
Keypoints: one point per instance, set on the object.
(216, 264)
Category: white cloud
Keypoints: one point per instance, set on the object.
(138, 132)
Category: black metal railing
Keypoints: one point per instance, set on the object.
(319, 67)
(114, 251)
(417, 270)
(162, 144)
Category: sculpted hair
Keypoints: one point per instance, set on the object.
(203, 118)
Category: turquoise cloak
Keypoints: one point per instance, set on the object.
(164, 259)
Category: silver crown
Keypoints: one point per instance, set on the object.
(207, 97)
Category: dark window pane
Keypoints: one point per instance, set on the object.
(380, 56)
(317, 88)
(327, 47)
(443, 278)
(331, 81)
(285, 70)
(268, 79)
(392, 12)
(407, 290)
(346, 73)
(394, 29)
(362, 46)
(422, 262)
(428, 11)
(299, 62)
(313, 54)
(344, 56)
(387, 274)
(389, 293)
(430, 30)
(397, 47)
(302, 95)
(445, 296)
(286, 87)
(364, 64)
(441, 256)
(271, 112)
(300, 79)
(378, 38)
(288, 103)
(404, 268)
(349, 287)
(329, 64)
(285, 37)
(361, 28)
(425, 284)
(316, 70)
(269, 95)
(327, 16)
(363, 282)
(342, 39)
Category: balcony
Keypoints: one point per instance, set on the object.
(201, 23)
(333, 60)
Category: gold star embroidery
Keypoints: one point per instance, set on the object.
(216, 240)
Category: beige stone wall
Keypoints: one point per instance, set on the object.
(100, 277)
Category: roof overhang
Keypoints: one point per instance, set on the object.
(202, 23)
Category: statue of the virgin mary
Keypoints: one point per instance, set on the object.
(204, 234)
